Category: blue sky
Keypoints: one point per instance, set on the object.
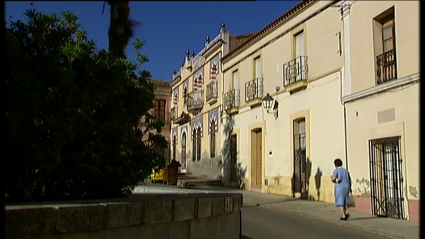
(169, 28)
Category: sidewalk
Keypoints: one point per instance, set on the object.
(391, 227)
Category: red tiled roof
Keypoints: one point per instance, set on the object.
(160, 82)
(237, 40)
(278, 20)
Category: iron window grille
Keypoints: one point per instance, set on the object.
(174, 113)
(231, 99)
(212, 91)
(386, 178)
(295, 70)
(195, 100)
(254, 89)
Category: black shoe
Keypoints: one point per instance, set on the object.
(343, 219)
(347, 216)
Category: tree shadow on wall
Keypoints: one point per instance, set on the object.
(233, 172)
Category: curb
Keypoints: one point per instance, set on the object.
(331, 221)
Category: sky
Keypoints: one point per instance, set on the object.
(168, 28)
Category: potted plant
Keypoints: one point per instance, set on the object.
(170, 172)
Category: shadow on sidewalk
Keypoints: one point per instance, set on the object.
(245, 237)
(363, 218)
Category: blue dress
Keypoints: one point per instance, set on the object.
(342, 189)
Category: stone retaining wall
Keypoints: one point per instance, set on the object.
(207, 215)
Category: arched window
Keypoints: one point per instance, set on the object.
(184, 95)
(184, 150)
(194, 136)
(212, 139)
(174, 147)
(198, 143)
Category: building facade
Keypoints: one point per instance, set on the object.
(161, 110)
(196, 111)
(295, 60)
(342, 77)
(381, 96)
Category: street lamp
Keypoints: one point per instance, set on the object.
(270, 104)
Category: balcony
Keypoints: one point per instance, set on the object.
(254, 91)
(195, 101)
(164, 117)
(182, 119)
(231, 101)
(174, 113)
(212, 92)
(295, 74)
(386, 69)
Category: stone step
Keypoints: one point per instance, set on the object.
(196, 180)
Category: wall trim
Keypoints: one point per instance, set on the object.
(380, 88)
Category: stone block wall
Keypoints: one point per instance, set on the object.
(209, 216)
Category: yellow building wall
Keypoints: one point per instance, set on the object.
(361, 38)
(320, 103)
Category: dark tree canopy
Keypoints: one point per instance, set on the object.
(77, 121)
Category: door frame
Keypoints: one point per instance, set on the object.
(253, 127)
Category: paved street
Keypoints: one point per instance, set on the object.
(277, 216)
(259, 223)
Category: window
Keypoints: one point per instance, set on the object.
(185, 95)
(386, 179)
(194, 135)
(258, 76)
(198, 144)
(174, 146)
(257, 67)
(183, 151)
(299, 54)
(300, 161)
(160, 110)
(212, 139)
(385, 47)
(235, 81)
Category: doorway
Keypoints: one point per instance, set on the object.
(184, 164)
(256, 158)
(233, 158)
(299, 178)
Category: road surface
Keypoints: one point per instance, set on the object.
(262, 223)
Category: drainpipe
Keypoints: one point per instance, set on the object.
(346, 84)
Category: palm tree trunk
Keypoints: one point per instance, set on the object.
(121, 28)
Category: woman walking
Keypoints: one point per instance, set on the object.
(342, 180)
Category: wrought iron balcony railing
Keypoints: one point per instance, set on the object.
(212, 92)
(386, 69)
(174, 113)
(195, 101)
(254, 89)
(165, 117)
(295, 70)
(231, 99)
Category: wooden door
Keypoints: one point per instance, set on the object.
(259, 168)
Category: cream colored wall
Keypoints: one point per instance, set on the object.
(320, 40)
(363, 125)
(325, 136)
(319, 103)
(284, 27)
(407, 39)
(246, 121)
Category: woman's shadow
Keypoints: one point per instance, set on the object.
(317, 180)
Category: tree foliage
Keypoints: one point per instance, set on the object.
(77, 121)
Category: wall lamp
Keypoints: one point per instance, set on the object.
(270, 104)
